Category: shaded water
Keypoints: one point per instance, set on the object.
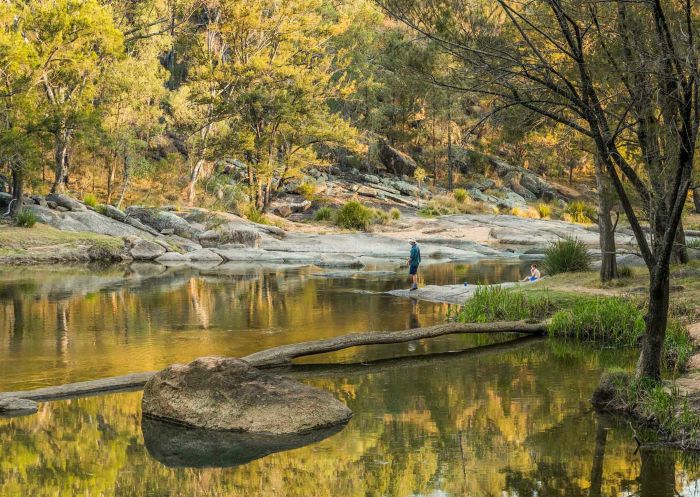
(493, 420)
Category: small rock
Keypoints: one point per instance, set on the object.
(112, 212)
(167, 231)
(172, 257)
(51, 204)
(283, 210)
(204, 255)
(14, 406)
(65, 201)
(60, 208)
(144, 250)
(229, 246)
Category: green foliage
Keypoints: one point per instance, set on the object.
(625, 272)
(580, 212)
(544, 210)
(395, 214)
(354, 216)
(420, 174)
(610, 320)
(448, 205)
(567, 255)
(493, 303)
(693, 243)
(255, 215)
(653, 404)
(380, 217)
(90, 200)
(307, 190)
(460, 195)
(25, 218)
(324, 213)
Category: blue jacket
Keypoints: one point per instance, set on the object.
(415, 255)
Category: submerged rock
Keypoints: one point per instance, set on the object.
(183, 447)
(218, 393)
(14, 406)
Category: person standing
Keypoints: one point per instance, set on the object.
(413, 263)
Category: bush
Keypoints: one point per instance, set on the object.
(379, 216)
(610, 320)
(460, 195)
(395, 214)
(354, 216)
(256, 216)
(90, 200)
(580, 212)
(323, 214)
(307, 190)
(25, 218)
(624, 272)
(526, 212)
(448, 205)
(493, 303)
(567, 255)
(544, 210)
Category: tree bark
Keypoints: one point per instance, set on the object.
(649, 364)
(606, 228)
(696, 198)
(680, 250)
(191, 187)
(17, 190)
(283, 354)
(62, 139)
(125, 184)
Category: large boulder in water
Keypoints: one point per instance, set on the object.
(396, 161)
(218, 393)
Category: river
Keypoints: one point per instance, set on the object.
(457, 416)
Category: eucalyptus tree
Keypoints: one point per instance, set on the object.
(74, 41)
(622, 74)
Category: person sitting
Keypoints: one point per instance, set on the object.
(534, 274)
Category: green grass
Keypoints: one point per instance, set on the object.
(354, 216)
(498, 304)
(694, 243)
(324, 213)
(25, 218)
(256, 216)
(460, 195)
(90, 200)
(580, 212)
(395, 214)
(657, 406)
(625, 272)
(568, 255)
(544, 210)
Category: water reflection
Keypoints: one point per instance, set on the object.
(64, 325)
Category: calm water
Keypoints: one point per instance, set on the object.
(463, 416)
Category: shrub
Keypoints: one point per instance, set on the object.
(493, 303)
(25, 218)
(354, 216)
(610, 320)
(580, 212)
(526, 212)
(420, 174)
(624, 272)
(307, 190)
(448, 205)
(90, 200)
(566, 256)
(379, 216)
(460, 195)
(544, 210)
(323, 214)
(256, 216)
(395, 214)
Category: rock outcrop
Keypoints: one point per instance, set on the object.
(145, 250)
(161, 220)
(65, 201)
(217, 393)
(396, 161)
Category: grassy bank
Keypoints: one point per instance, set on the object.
(43, 243)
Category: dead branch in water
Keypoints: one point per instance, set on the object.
(283, 354)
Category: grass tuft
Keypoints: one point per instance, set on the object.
(395, 214)
(90, 200)
(493, 303)
(25, 218)
(568, 255)
(324, 213)
(354, 216)
(460, 195)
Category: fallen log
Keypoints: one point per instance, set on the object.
(283, 354)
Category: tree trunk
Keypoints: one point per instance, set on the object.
(284, 353)
(111, 173)
(696, 198)
(191, 187)
(17, 190)
(649, 364)
(125, 184)
(62, 139)
(680, 251)
(606, 228)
